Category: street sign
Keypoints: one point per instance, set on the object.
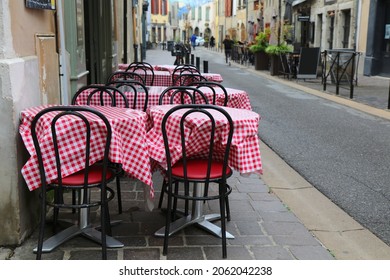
(303, 18)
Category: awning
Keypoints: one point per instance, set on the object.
(297, 2)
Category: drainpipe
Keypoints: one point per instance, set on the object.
(358, 13)
(124, 31)
(64, 79)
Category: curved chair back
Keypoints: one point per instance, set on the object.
(143, 63)
(144, 71)
(187, 78)
(124, 75)
(182, 95)
(53, 152)
(136, 92)
(100, 95)
(212, 86)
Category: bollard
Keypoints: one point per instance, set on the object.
(192, 59)
(187, 58)
(198, 63)
(205, 66)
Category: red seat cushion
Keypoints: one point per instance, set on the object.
(94, 176)
(197, 169)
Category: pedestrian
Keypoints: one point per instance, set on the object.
(193, 41)
(228, 45)
(212, 42)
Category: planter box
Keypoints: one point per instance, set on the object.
(275, 65)
(261, 61)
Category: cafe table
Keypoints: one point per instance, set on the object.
(128, 148)
(244, 155)
(236, 98)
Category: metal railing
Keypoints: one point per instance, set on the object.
(341, 66)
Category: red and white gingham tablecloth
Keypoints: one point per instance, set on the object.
(128, 144)
(161, 78)
(236, 98)
(214, 77)
(245, 150)
(161, 73)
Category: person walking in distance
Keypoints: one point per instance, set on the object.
(228, 45)
(193, 41)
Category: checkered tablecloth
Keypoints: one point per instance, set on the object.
(161, 78)
(245, 150)
(214, 77)
(236, 98)
(128, 144)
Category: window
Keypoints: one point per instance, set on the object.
(346, 27)
(208, 13)
(154, 7)
(228, 8)
(331, 29)
(164, 7)
(199, 13)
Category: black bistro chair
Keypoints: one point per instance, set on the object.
(194, 170)
(136, 92)
(101, 95)
(185, 95)
(144, 71)
(182, 95)
(212, 86)
(91, 177)
(185, 79)
(124, 75)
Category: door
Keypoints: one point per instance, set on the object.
(100, 39)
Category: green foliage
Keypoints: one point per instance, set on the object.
(261, 41)
(278, 49)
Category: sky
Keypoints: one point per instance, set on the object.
(192, 2)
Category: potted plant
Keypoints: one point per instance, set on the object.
(274, 52)
(258, 49)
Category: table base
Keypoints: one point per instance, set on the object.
(73, 231)
(203, 222)
(197, 217)
(84, 228)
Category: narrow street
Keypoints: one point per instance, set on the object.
(341, 151)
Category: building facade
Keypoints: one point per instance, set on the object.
(50, 48)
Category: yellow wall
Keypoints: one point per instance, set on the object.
(22, 19)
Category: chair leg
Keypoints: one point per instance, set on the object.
(118, 189)
(167, 221)
(41, 227)
(103, 221)
(222, 203)
(119, 194)
(227, 209)
(162, 194)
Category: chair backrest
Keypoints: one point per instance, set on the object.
(101, 95)
(144, 71)
(285, 64)
(124, 75)
(136, 92)
(143, 63)
(81, 130)
(218, 137)
(184, 69)
(212, 85)
(187, 78)
(185, 65)
(182, 95)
